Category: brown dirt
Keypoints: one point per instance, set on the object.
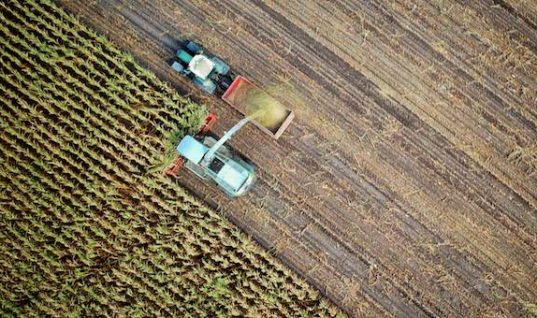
(393, 190)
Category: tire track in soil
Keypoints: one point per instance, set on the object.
(465, 159)
(274, 205)
(295, 32)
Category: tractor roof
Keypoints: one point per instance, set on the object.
(201, 66)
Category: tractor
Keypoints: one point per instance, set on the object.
(206, 71)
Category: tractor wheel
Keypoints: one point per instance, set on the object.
(178, 67)
(225, 82)
(220, 66)
(193, 47)
(184, 56)
(207, 85)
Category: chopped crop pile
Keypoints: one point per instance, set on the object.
(264, 108)
(87, 226)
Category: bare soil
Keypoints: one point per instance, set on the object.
(407, 184)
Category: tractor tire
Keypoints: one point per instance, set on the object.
(220, 66)
(178, 67)
(184, 56)
(225, 82)
(207, 85)
(193, 47)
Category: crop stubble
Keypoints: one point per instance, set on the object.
(401, 188)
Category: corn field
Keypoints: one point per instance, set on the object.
(89, 225)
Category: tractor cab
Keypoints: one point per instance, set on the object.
(207, 71)
(201, 66)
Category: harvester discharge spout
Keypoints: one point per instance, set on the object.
(209, 156)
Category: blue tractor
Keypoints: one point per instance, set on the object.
(207, 71)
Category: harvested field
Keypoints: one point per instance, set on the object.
(407, 184)
(86, 229)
